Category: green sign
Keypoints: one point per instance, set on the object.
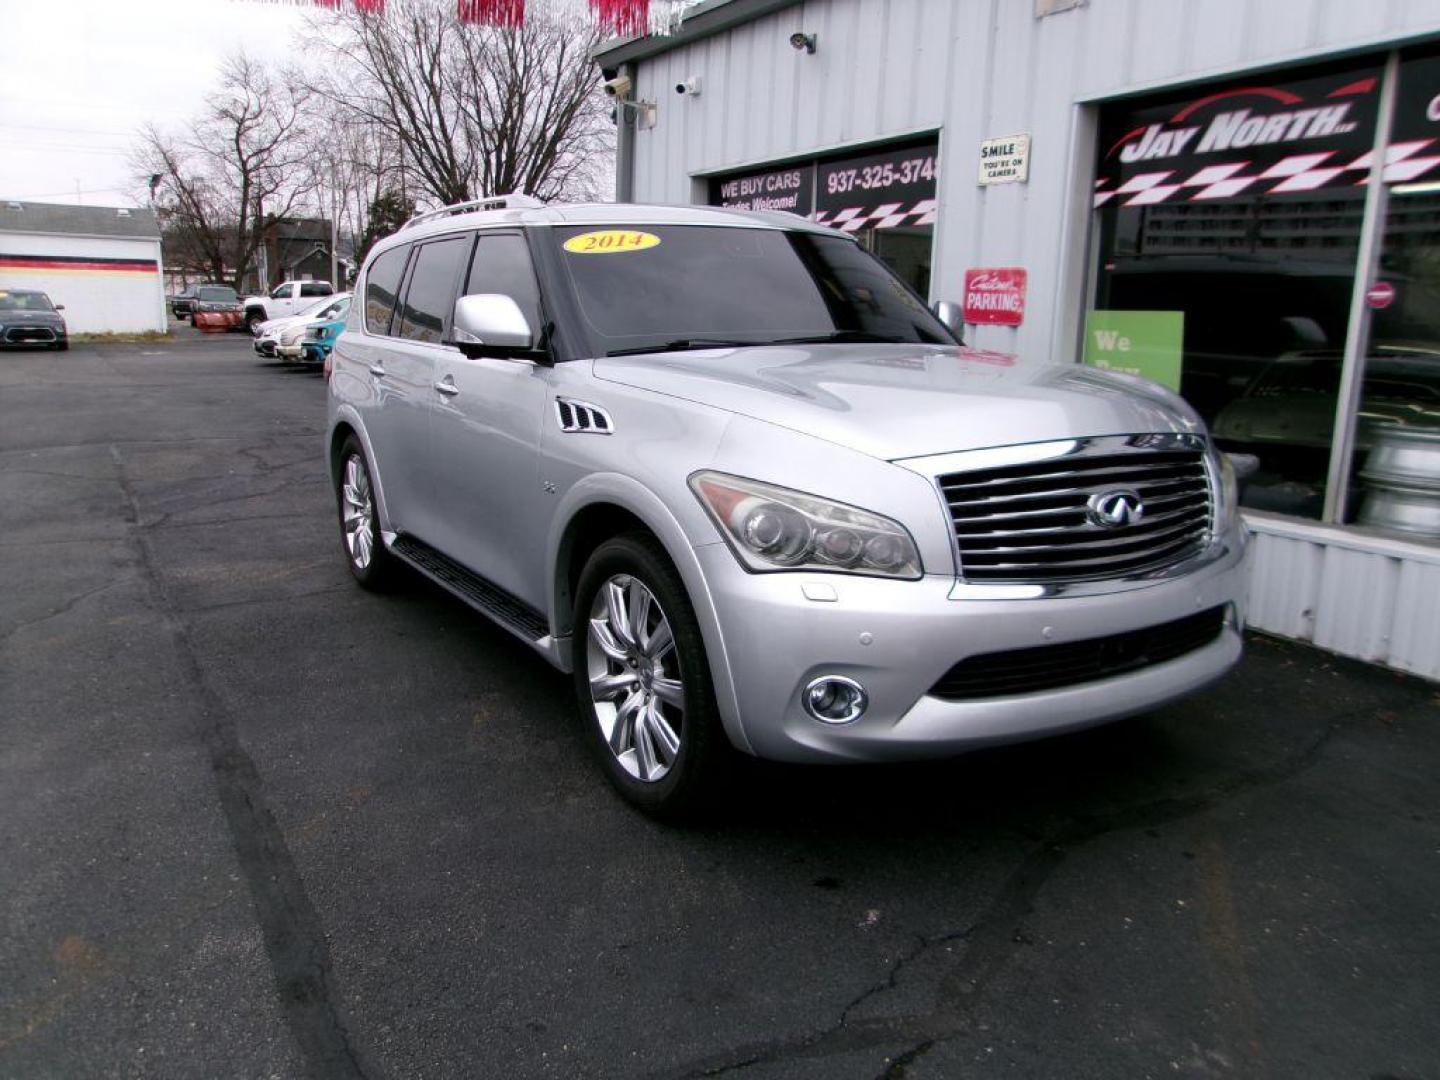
(1145, 343)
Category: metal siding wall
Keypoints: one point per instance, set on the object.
(1370, 599)
(95, 303)
(972, 69)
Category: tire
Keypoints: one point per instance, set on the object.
(671, 767)
(370, 562)
(62, 346)
(253, 319)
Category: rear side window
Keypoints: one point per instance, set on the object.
(382, 289)
(430, 298)
(501, 264)
(315, 288)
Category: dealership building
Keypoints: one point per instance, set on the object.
(1237, 198)
(101, 262)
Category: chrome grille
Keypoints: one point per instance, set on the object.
(1030, 523)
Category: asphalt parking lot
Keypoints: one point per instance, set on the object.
(255, 822)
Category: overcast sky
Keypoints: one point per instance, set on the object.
(78, 77)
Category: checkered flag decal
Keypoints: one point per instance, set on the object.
(1298, 172)
(885, 216)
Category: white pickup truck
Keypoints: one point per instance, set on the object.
(285, 299)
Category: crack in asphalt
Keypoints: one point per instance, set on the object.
(117, 443)
(995, 936)
(294, 937)
(68, 605)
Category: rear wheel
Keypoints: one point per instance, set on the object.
(643, 682)
(370, 562)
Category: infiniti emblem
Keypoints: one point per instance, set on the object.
(1114, 508)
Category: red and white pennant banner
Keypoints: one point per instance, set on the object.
(623, 18)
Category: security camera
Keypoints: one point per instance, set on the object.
(690, 86)
(803, 42)
(618, 87)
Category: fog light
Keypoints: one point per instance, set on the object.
(834, 699)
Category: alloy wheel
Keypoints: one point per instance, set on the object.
(357, 512)
(634, 675)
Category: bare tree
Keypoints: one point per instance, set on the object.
(475, 110)
(244, 163)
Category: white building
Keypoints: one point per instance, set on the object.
(1238, 197)
(102, 263)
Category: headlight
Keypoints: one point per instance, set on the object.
(774, 528)
(1229, 493)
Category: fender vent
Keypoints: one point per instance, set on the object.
(580, 417)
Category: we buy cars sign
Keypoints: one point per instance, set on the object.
(995, 296)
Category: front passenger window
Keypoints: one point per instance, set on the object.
(431, 295)
(502, 265)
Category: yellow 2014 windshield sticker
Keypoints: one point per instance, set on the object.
(606, 241)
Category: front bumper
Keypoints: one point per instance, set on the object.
(217, 322)
(18, 337)
(898, 638)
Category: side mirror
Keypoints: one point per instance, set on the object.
(952, 315)
(491, 324)
(59, 307)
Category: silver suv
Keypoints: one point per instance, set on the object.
(733, 474)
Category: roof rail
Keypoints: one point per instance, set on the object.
(514, 201)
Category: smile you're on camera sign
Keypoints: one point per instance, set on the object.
(1005, 160)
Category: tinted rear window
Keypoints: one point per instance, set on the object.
(430, 296)
(382, 287)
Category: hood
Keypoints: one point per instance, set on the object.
(902, 401)
(31, 318)
(274, 326)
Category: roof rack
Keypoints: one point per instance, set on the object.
(514, 201)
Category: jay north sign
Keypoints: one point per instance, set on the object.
(1245, 139)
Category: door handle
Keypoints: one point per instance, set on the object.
(377, 371)
(447, 387)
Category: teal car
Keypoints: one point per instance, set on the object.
(320, 335)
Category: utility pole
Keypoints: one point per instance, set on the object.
(335, 281)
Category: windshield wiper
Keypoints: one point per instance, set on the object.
(840, 335)
(680, 344)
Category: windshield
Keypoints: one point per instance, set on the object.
(320, 306)
(657, 287)
(216, 294)
(25, 301)
(332, 307)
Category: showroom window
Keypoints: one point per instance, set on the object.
(883, 196)
(1242, 261)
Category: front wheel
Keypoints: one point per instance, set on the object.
(253, 319)
(369, 561)
(643, 682)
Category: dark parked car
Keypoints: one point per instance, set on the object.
(216, 309)
(182, 304)
(27, 317)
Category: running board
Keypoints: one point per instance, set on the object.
(508, 610)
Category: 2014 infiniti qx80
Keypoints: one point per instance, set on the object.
(731, 472)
